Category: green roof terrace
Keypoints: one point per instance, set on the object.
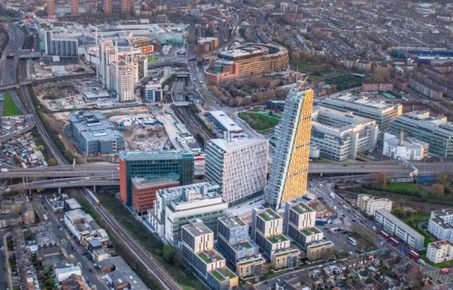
(210, 256)
(277, 239)
(310, 231)
(223, 274)
(268, 214)
(301, 208)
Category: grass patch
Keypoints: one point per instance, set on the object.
(260, 121)
(345, 81)
(151, 243)
(10, 108)
(405, 188)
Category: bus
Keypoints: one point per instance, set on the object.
(414, 255)
(352, 241)
(384, 235)
(394, 241)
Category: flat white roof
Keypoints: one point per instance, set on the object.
(226, 121)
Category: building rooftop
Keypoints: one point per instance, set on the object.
(222, 274)
(236, 144)
(310, 231)
(277, 239)
(268, 214)
(140, 182)
(232, 222)
(197, 228)
(153, 155)
(210, 256)
(440, 244)
(301, 207)
(123, 273)
(226, 121)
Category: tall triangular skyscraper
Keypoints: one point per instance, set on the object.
(289, 170)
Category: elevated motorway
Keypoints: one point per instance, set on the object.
(112, 170)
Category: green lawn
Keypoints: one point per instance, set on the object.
(9, 107)
(405, 188)
(345, 81)
(259, 120)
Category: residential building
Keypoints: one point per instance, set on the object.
(74, 7)
(239, 166)
(436, 131)
(440, 224)
(197, 247)
(319, 250)
(225, 125)
(126, 7)
(144, 191)
(342, 135)
(150, 165)
(440, 251)
(206, 44)
(267, 232)
(177, 206)
(380, 111)
(234, 242)
(119, 275)
(94, 134)
(394, 226)
(249, 59)
(299, 224)
(83, 227)
(404, 148)
(51, 8)
(108, 7)
(369, 204)
(289, 171)
(65, 271)
(121, 66)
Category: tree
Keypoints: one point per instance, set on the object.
(167, 253)
(437, 190)
(399, 212)
(380, 180)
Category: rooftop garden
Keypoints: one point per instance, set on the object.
(277, 239)
(310, 231)
(302, 208)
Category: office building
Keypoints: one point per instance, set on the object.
(299, 224)
(380, 111)
(225, 125)
(153, 92)
(197, 247)
(234, 242)
(239, 166)
(144, 191)
(60, 44)
(94, 134)
(440, 224)
(436, 131)
(249, 59)
(267, 232)
(51, 8)
(404, 148)
(369, 204)
(440, 251)
(289, 170)
(340, 135)
(74, 7)
(108, 7)
(151, 165)
(177, 206)
(395, 227)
